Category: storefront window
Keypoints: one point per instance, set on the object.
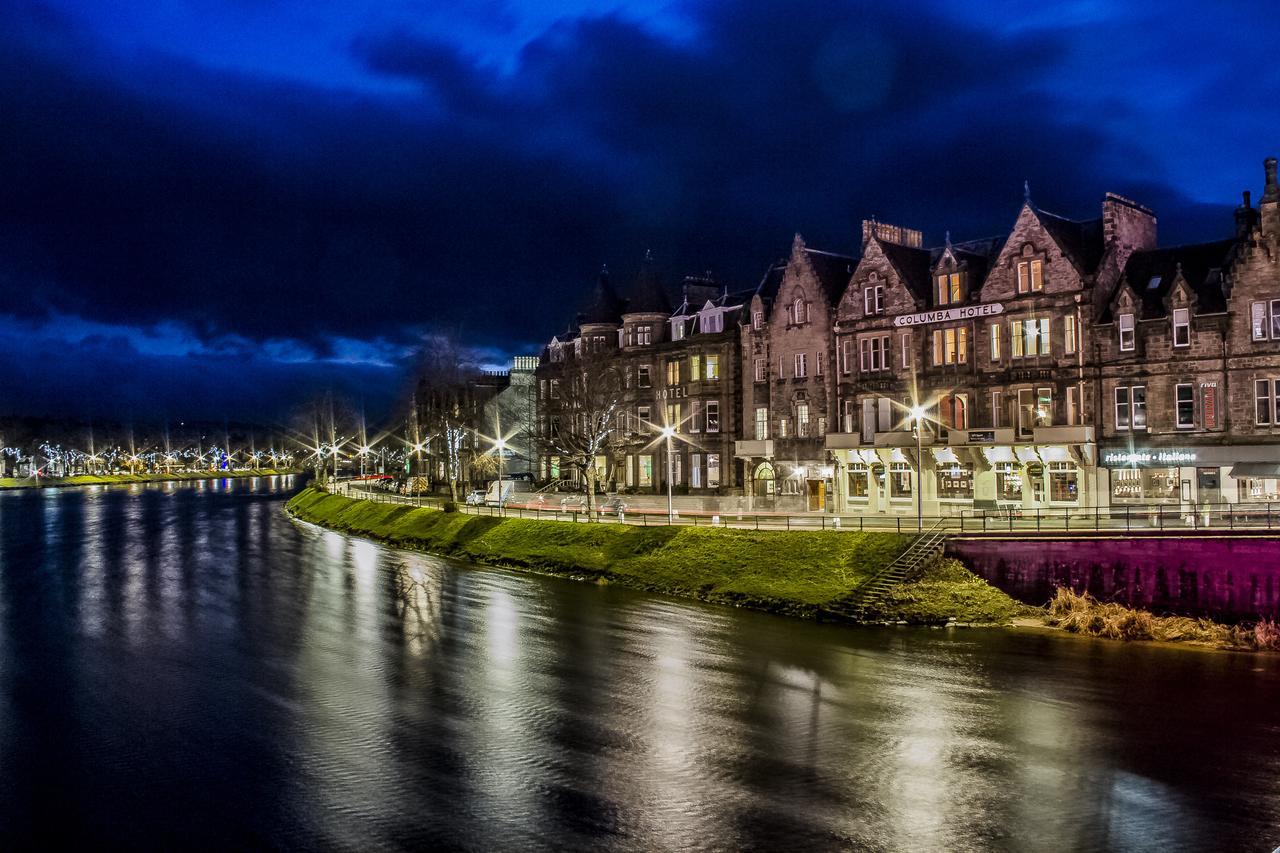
(1260, 489)
(646, 470)
(1008, 481)
(899, 480)
(955, 482)
(1064, 482)
(858, 477)
(1145, 485)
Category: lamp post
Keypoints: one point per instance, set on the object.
(917, 414)
(498, 447)
(667, 432)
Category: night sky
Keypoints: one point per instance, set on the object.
(213, 208)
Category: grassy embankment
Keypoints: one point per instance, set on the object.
(797, 572)
(117, 479)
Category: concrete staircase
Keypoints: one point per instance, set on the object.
(924, 548)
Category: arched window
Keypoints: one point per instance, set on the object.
(953, 411)
(798, 310)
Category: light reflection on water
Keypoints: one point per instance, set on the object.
(184, 666)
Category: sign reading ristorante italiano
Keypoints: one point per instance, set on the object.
(943, 315)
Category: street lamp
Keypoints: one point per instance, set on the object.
(667, 432)
(498, 446)
(917, 415)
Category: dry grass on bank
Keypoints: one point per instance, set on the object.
(1084, 614)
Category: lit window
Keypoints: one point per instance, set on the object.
(1070, 337)
(762, 423)
(713, 368)
(673, 372)
(713, 470)
(802, 420)
(951, 346)
(1186, 406)
(906, 350)
(1181, 327)
(994, 329)
(948, 288)
(1030, 276)
(1126, 333)
(695, 368)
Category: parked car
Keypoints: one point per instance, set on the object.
(573, 503)
(475, 497)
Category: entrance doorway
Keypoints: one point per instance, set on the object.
(817, 490)
(1208, 486)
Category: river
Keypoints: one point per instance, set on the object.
(185, 666)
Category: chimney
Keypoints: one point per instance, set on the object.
(1269, 207)
(1128, 225)
(1246, 217)
(891, 234)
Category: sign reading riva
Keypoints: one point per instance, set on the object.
(943, 315)
(1147, 457)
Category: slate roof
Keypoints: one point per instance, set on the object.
(1080, 241)
(605, 306)
(833, 271)
(1151, 275)
(914, 266)
(647, 294)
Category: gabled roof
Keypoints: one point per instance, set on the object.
(833, 271)
(605, 306)
(913, 266)
(1151, 274)
(647, 294)
(1080, 241)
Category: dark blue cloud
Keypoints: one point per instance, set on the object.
(361, 171)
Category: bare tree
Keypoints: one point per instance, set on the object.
(442, 402)
(585, 395)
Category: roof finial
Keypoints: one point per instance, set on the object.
(1026, 191)
(948, 238)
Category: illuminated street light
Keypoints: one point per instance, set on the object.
(667, 432)
(917, 415)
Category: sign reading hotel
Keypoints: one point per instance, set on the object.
(945, 315)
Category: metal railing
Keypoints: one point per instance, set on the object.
(1216, 518)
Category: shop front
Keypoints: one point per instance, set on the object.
(1188, 475)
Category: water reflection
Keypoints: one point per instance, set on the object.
(182, 665)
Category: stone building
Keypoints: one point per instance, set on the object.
(677, 366)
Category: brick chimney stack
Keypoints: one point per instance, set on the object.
(1246, 217)
(1269, 206)
(1128, 225)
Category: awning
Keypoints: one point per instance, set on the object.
(868, 456)
(945, 455)
(1255, 469)
(1055, 453)
(999, 454)
(1026, 454)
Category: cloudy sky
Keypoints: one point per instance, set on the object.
(213, 208)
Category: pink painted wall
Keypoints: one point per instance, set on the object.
(1230, 578)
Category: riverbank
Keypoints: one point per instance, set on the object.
(802, 573)
(122, 479)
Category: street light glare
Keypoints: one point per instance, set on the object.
(917, 413)
(667, 431)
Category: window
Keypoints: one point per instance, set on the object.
(798, 310)
(1182, 327)
(757, 319)
(858, 485)
(646, 470)
(873, 299)
(1257, 316)
(1070, 336)
(846, 355)
(906, 350)
(1073, 404)
(762, 370)
(1035, 409)
(802, 420)
(953, 411)
(713, 470)
(1185, 402)
(695, 416)
(762, 423)
(951, 346)
(1008, 482)
(1131, 407)
(675, 417)
(802, 365)
(1064, 482)
(1126, 333)
(1030, 276)
(677, 329)
(1263, 406)
(948, 288)
(817, 364)
(847, 422)
(997, 403)
(994, 330)
(642, 377)
(1030, 338)
(713, 416)
(673, 372)
(782, 427)
(713, 368)
(644, 335)
(695, 470)
(873, 354)
(1275, 319)
(712, 323)
(782, 366)
(955, 482)
(899, 480)
(555, 389)
(695, 368)
(645, 416)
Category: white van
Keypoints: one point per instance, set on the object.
(510, 489)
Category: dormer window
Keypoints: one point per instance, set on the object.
(677, 329)
(1126, 333)
(712, 322)
(1030, 273)
(948, 288)
(644, 335)
(1182, 327)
